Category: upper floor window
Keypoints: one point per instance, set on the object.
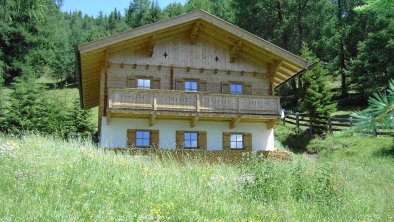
(191, 86)
(190, 140)
(143, 84)
(235, 88)
(142, 138)
(236, 141)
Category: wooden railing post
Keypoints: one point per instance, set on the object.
(297, 122)
(238, 104)
(329, 124)
(154, 102)
(198, 102)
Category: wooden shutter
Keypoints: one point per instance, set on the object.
(155, 83)
(154, 138)
(226, 88)
(247, 89)
(131, 137)
(202, 140)
(180, 84)
(247, 141)
(131, 82)
(202, 86)
(226, 141)
(179, 139)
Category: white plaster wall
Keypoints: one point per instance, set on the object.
(115, 134)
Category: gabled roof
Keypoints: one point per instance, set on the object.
(93, 55)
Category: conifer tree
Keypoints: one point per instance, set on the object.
(78, 122)
(316, 96)
(28, 109)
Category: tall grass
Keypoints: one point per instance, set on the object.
(45, 179)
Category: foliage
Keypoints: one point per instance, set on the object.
(41, 173)
(30, 110)
(316, 98)
(380, 112)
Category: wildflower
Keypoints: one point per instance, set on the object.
(246, 179)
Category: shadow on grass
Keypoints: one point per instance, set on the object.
(297, 143)
(387, 152)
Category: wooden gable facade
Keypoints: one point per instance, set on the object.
(194, 50)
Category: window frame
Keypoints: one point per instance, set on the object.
(190, 81)
(190, 140)
(237, 141)
(143, 85)
(237, 85)
(143, 138)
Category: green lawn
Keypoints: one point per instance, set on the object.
(46, 179)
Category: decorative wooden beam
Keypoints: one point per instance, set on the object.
(234, 51)
(273, 68)
(152, 119)
(194, 32)
(285, 72)
(272, 123)
(281, 76)
(234, 122)
(152, 45)
(194, 121)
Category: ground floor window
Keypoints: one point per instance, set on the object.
(142, 139)
(236, 141)
(190, 140)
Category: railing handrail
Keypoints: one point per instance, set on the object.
(200, 102)
(188, 92)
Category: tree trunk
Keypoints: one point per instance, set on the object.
(342, 61)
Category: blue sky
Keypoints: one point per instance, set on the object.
(92, 7)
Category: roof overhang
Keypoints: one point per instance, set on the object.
(92, 56)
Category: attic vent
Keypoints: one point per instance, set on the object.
(165, 55)
(216, 59)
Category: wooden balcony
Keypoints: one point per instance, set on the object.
(172, 104)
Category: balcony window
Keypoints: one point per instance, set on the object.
(190, 140)
(142, 139)
(236, 89)
(236, 141)
(143, 84)
(191, 86)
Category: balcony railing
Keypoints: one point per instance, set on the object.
(201, 102)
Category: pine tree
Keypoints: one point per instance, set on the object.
(28, 109)
(380, 112)
(316, 97)
(78, 122)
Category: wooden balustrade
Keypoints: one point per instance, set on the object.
(200, 102)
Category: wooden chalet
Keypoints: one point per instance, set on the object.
(191, 82)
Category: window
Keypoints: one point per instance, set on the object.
(235, 88)
(142, 139)
(236, 141)
(191, 86)
(143, 84)
(190, 140)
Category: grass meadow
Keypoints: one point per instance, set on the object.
(47, 179)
